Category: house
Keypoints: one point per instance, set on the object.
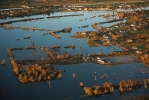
(83, 33)
(134, 47)
(129, 40)
(100, 60)
(138, 52)
(24, 6)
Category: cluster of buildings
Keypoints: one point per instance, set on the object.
(58, 1)
(76, 1)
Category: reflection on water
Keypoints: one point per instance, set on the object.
(68, 87)
(49, 84)
(10, 9)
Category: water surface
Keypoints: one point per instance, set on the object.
(12, 89)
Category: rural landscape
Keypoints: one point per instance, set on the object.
(74, 49)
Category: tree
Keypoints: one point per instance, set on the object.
(44, 1)
(121, 15)
(58, 56)
(67, 56)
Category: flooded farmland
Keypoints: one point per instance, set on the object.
(65, 57)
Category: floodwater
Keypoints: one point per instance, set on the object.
(130, 9)
(67, 88)
(10, 9)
